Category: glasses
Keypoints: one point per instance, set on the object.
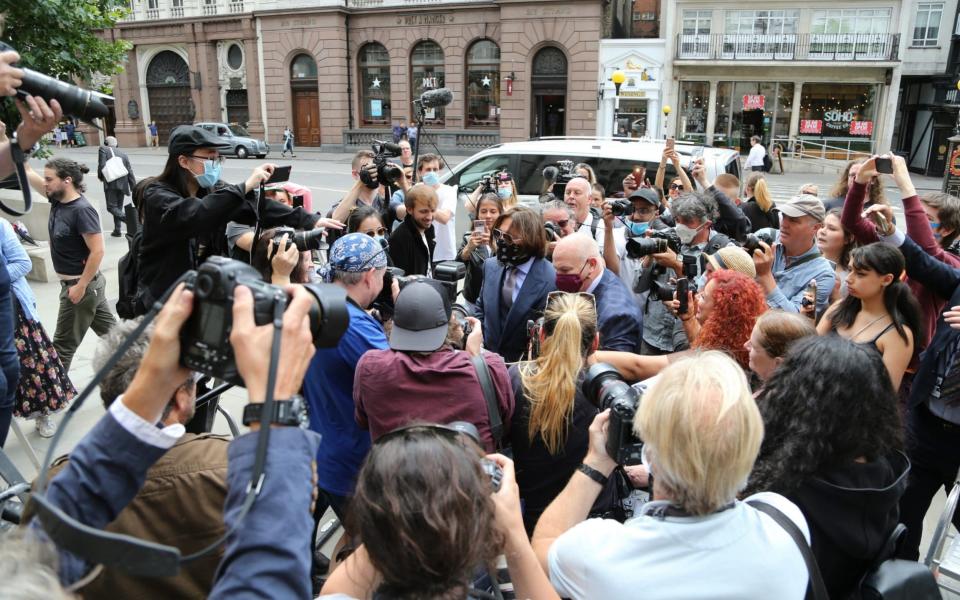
(562, 224)
(676, 186)
(647, 211)
(381, 231)
(217, 159)
(552, 296)
(502, 236)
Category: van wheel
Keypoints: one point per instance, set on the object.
(241, 152)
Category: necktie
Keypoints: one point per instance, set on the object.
(509, 281)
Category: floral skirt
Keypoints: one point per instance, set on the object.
(44, 386)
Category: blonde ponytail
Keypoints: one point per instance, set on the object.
(762, 195)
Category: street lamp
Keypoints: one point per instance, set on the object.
(666, 114)
(617, 78)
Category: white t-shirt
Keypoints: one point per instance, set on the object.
(445, 248)
(734, 554)
(755, 158)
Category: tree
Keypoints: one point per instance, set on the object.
(59, 38)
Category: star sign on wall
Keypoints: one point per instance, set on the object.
(376, 83)
(485, 81)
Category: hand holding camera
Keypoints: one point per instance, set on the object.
(506, 500)
(36, 118)
(259, 175)
(699, 173)
(474, 343)
(763, 259)
(285, 258)
(870, 168)
(597, 456)
(630, 184)
(10, 77)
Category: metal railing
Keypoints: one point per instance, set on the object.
(826, 149)
(789, 46)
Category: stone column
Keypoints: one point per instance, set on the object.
(795, 111)
(711, 112)
(252, 66)
(126, 87)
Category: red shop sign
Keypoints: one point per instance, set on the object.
(861, 127)
(811, 126)
(753, 102)
(509, 86)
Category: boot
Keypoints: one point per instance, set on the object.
(117, 221)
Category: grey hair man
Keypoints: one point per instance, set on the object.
(115, 188)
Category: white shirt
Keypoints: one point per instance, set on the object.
(144, 431)
(755, 158)
(733, 554)
(445, 248)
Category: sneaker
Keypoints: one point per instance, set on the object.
(46, 427)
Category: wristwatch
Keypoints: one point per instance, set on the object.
(291, 412)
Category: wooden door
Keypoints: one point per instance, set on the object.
(306, 118)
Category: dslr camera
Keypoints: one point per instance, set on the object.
(387, 173)
(659, 240)
(447, 272)
(622, 207)
(205, 338)
(305, 241)
(752, 242)
(604, 386)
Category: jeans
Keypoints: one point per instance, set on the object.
(9, 366)
(114, 200)
(74, 320)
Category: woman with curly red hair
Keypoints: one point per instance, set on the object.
(720, 317)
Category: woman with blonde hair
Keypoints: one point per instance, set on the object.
(586, 171)
(550, 427)
(759, 207)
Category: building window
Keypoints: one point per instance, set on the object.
(483, 84)
(760, 34)
(426, 73)
(926, 30)
(844, 33)
(234, 57)
(374, 63)
(848, 111)
(697, 22)
(303, 67)
(692, 119)
(851, 20)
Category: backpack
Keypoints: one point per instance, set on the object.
(128, 272)
(767, 163)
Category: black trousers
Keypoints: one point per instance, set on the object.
(933, 446)
(114, 199)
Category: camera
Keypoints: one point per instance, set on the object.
(558, 175)
(305, 241)
(553, 231)
(488, 184)
(447, 272)
(460, 313)
(604, 386)
(621, 208)
(205, 339)
(387, 172)
(639, 247)
(85, 104)
(752, 242)
(383, 303)
(534, 327)
(490, 468)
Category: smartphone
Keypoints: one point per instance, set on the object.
(280, 174)
(683, 286)
(884, 165)
(880, 221)
(671, 143)
(479, 226)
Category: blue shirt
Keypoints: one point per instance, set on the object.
(328, 388)
(792, 277)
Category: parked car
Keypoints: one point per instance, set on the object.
(238, 139)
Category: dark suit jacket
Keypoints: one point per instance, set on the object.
(508, 337)
(125, 184)
(407, 250)
(944, 281)
(619, 318)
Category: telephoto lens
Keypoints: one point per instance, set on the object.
(638, 247)
(308, 240)
(621, 208)
(604, 386)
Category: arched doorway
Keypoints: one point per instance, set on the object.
(306, 100)
(549, 93)
(168, 92)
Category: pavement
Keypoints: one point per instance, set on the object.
(329, 176)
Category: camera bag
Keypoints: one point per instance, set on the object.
(896, 579)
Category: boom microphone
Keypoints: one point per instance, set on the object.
(436, 98)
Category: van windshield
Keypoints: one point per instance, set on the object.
(610, 172)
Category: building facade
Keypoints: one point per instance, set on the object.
(818, 75)
(341, 73)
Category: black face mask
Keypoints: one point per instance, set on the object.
(511, 254)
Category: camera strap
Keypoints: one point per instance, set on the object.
(490, 396)
(19, 158)
(258, 226)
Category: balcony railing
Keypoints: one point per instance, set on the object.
(790, 46)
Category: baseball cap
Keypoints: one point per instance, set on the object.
(803, 205)
(354, 253)
(734, 259)
(420, 319)
(187, 138)
(646, 194)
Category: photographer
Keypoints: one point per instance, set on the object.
(694, 518)
(421, 377)
(477, 247)
(560, 222)
(578, 195)
(680, 184)
(186, 208)
(729, 219)
(279, 261)
(580, 268)
(362, 192)
(502, 184)
(644, 216)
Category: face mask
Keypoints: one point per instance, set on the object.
(211, 174)
(570, 282)
(380, 240)
(638, 229)
(504, 193)
(511, 254)
(686, 234)
(936, 231)
(431, 178)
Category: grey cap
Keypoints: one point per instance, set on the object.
(803, 205)
(420, 319)
(647, 194)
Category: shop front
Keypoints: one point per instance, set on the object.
(636, 113)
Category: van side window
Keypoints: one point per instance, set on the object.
(470, 176)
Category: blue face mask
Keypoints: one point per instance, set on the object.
(638, 229)
(504, 193)
(380, 240)
(211, 174)
(431, 178)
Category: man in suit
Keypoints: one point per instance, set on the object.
(580, 268)
(515, 283)
(115, 190)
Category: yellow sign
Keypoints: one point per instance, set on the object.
(633, 94)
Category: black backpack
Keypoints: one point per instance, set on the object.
(128, 273)
(767, 163)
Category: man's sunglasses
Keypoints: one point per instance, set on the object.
(562, 224)
(502, 236)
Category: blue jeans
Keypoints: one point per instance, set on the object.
(9, 365)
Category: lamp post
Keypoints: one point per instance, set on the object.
(617, 78)
(666, 115)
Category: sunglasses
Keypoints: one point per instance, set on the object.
(502, 236)
(676, 186)
(562, 224)
(381, 231)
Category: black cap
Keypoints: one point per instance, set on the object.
(420, 319)
(647, 194)
(187, 138)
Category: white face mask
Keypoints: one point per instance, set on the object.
(686, 234)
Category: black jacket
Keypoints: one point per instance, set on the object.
(730, 219)
(851, 511)
(759, 219)
(474, 279)
(180, 233)
(125, 184)
(407, 250)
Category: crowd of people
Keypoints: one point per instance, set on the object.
(792, 363)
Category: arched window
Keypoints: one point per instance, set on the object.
(483, 84)
(426, 73)
(374, 64)
(303, 67)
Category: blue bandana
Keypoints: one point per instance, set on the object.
(354, 253)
